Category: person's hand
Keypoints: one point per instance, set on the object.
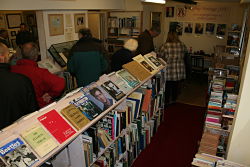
(46, 97)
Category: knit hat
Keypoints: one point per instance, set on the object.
(131, 44)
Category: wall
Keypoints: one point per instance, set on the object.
(239, 148)
(60, 4)
(207, 42)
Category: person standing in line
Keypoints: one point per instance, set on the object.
(86, 61)
(173, 52)
(124, 55)
(47, 85)
(4, 37)
(145, 41)
(17, 97)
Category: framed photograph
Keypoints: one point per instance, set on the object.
(13, 33)
(13, 43)
(31, 19)
(199, 27)
(188, 28)
(155, 19)
(180, 12)
(14, 20)
(79, 21)
(176, 27)
(56, 24)
(221, 29)
(169, 11)
(2, 21)
(210, 27)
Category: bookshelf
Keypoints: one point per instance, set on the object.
(15, 130)
(121, 26)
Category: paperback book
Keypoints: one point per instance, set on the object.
(126, 76)
(16, 153)
(113, 90)
(152, 60)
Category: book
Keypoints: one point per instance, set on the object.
(152, 60)
(126, 76)
(137, 97)
(143, 62)
(87, 107)
(137, 70)
(2, 164)
(120, 83)
(16, 153)
(113, 90)
(57, 126)
(147, 100)
(75, 116)
(39, 140)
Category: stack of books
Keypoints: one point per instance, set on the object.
(230, 104)
(206, 160)
(209, 143)
(226, 163)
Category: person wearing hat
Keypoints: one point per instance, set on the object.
(124, 55)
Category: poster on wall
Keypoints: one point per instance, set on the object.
(68, 20)
(221, 29)
(169, 11)
(199, 27)
(155, 19)
(181, 12)
(188, 28)
(176, 27)
(80, 22)
(2, 21)
(56, 24)
(14, 20)
(210, 27)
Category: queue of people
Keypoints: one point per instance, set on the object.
(25, 87)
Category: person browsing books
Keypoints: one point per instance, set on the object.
(124, 55)
(98, 94)
(86, 61)
(173, 52)
(17, 97)
(47, 85)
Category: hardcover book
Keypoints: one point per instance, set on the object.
(87, 107)
(137, 70)
(113, 90)
(143, 62)
(39, 140)
(16, 153)
(126, 76)
(75, 116)
(57, 126)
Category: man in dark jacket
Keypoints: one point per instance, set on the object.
(145, 40)
(17, 97)
(86, 61)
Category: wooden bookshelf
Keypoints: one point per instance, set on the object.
(24, 123)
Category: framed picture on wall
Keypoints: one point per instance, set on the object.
(13, 33)
(221, 29)
(79, 21)
(56, 24)
(31, 19)
(176, 27)
(169, 11)
(210, 28)
(199, 28)
(2, 21)
(14, 20)
(155, 19)
(188, 27)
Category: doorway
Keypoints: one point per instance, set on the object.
(96, 23)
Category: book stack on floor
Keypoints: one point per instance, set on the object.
(107, 123)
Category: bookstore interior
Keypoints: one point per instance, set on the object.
(113, 119)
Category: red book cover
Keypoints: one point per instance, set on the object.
(146, 101)
(57, 126)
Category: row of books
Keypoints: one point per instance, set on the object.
(119, 33)
(129, 22)
(207, 160)
(33, 137)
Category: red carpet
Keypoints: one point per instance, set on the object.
(175, 143)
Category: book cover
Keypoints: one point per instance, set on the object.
(57, 126)
(120, 83)
(152, 60)
(75, 116)
(16, 153)
(87, 107)
(147, 100)
(113, 90)
(143, 62)
(137, 97)
(39, 140)
(137, 70)
(126, 76)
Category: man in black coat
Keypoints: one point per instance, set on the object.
(17, 97)
(145, 40)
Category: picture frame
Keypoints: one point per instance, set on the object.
(14, 20)
(13, 33)
(170, 12)
(79, 21)
(155, 19)
(31, 19)
(56, 24)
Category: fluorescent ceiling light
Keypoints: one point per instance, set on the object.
(155, 1)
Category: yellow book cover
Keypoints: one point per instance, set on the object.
(143, 62)
(75, 116)
(136, 70)
(39, 140)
